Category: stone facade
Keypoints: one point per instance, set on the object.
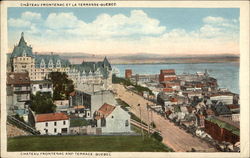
(22, 59)
(91, 76)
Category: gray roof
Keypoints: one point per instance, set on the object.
(21, 48)
(47, 58)
(85, 68)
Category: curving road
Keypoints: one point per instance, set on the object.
(173, 136)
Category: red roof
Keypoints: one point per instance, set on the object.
(51, 117)
(104, 111)
(232, 106)
(168, 90)
(174, 99)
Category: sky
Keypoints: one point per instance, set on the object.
(178, 31)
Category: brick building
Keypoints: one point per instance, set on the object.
(167, 75)
(128, 73)
(222, 129)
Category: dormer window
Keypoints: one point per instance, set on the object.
(58, 63)
(24, 53)
(50, 65)
(42, 64)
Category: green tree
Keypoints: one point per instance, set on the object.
(62, 86)
(42, 103)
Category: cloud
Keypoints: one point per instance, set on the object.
(213, 20)
(27, 20)
(31, 16)
(62, 21)
(136, 32)
(19, 23)
(105, 25)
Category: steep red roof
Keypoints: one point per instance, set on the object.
(51, 117)
(104, 111)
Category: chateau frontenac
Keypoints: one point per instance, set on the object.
(85, 75)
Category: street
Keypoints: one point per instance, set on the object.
(173, 136)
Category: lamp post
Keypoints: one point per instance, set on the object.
(141, 122)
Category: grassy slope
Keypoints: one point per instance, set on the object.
(84, 143)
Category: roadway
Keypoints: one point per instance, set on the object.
(173, 136)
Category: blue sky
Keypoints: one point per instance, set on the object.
(117, 26)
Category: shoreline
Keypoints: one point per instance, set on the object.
(160, 63)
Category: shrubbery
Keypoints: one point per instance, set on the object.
(157, 136)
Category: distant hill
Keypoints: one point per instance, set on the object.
(144, 58)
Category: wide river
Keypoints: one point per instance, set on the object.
(227, 74)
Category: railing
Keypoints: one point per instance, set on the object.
(22, 125)
(17, 89)
(138, 124)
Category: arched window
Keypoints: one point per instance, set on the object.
(42, 64)
(58, 63)
(50, 65)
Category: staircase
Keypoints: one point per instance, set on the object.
(22, 125)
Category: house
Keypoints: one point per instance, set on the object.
(62, 105)
(226, 98)
(112, 119)
(18, 91)
(192, 94)
(222, 129)
(52, 123)
(221, 109)
(91, 100)
(236, 117)
(43, 86)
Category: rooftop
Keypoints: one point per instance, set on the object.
(18, 78)
(226, 124)
(104, 111)
(51, 117)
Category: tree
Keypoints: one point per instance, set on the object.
(62, 86)
(42, 103)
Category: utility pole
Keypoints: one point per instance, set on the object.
(141, 122)
(148, 119)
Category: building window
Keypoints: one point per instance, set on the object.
(64, 122)
(103, 122)
(112, 116)
(46, 124)
(54, 130)
(54, 123)
(46, 131)
(126, 123)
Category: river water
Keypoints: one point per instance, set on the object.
(227, 74)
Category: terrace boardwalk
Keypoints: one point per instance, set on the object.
(173, 136)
